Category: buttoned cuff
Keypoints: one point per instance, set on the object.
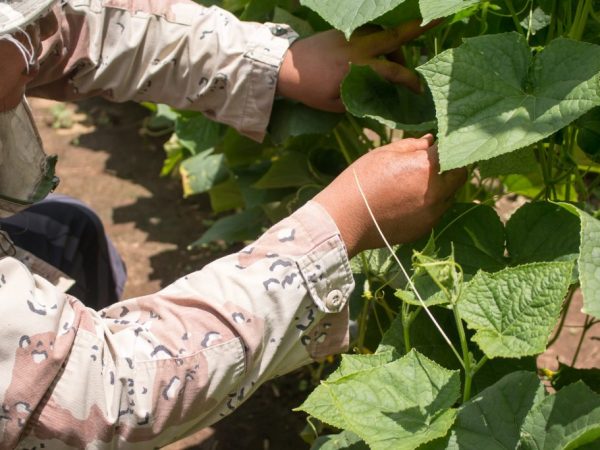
(266, 53)
(325, 269)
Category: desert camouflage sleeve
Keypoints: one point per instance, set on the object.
(149, 370)
(166, 51)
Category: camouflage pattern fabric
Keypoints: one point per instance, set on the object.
(166, 51)
(147, 371)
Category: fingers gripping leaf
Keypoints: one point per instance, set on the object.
(367, 94)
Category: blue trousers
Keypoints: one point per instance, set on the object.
(67, 234)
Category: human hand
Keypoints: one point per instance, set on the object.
(403, 188)
(313, 68)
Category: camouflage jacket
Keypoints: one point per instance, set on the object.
(147, 371)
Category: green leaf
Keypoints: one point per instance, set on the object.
(405, 12)
(300, 26)
(492, 96)
(366, 94)
(567, 420)
(288, 170)
(588, 137)
(377, 261)
(352, 364)
(520, 161)
(476, 234)
(290, 119)
(429, 292)
(589, 261)
(566, 375)
(239, 227)
(538, 20)
(258, 10)
(496, 369)
(201, 172)
(240, 151)
(424, 338)
(492, 419)
(514, 311)
(164, 116)
(348, 15)
(398, 405)
(528, 185)
(436, 9)
(542, 231)
(343, 441)
(197, 133)
(175, 154)
(226, 196)
(437, 280)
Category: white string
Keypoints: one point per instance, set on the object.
(412, 286)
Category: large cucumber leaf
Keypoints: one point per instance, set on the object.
(348, 15)
(492, 96)
(423, 338)
(542, 231)
(399, 405)
(514, 311)
(515, 413)
(492, 420)
(436, 9)
(567, 420)
(476, 235)
(589, 261)
(566, 375)
(342, 441)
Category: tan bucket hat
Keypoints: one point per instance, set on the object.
(17, 14)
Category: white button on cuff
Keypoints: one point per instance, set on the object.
(334, 299)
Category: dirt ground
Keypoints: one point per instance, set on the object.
(105, 162)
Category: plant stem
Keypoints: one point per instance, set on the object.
(543, 161)
(364, 314)
(529, 22)
(480, 364)
(581, 16)
(552, 27)
(342, 147)
(564, 316)
(407, 319)
(465, 351)
(513, 13)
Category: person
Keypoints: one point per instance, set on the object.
(144, 372)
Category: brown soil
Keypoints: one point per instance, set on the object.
(104, 161)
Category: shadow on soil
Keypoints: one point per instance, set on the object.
(164, 215)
